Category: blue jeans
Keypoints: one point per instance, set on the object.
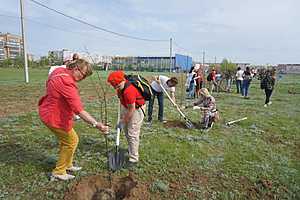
(246, 84)
(191, 90)
(239, 86)
(160, 98)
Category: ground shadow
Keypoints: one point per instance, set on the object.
(14, 153)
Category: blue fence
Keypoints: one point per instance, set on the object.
(183, 62)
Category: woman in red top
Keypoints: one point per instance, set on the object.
(199, 81)
(57, 108)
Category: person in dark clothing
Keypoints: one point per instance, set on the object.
(268, 83)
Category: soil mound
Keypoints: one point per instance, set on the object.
(180, 124)
(97, 187)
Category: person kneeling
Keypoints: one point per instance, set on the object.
(207, 104)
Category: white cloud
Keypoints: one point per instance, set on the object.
(246, 30)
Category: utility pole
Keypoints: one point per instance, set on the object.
(24, 43)
(215, 61)
(170, 55)
(203, 57)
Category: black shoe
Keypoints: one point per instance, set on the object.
(149, 123)
(131, 165)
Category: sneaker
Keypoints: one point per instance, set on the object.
(148, 122)
(270, 102)
(74, 168)
(265, 105)
(211, 125)
(63, 177)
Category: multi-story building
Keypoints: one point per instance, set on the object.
(288, 68)
(58, 56)
(11, 46)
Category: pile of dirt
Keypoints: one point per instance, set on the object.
(180, 124)
(97, 187)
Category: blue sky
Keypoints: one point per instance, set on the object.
(255, 31)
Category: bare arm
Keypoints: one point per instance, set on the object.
(173, 96)
(90, 120)
(128, 115)
(199, 102)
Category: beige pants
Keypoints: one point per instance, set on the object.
(132, 133)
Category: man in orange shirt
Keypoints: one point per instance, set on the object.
(56, 110)
(132, 114)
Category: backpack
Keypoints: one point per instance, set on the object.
(141, 84)
(209, 77)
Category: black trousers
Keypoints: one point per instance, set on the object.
(268, 95)
(160, 98)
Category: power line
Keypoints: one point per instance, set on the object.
(94, 26)
(179, 46)
(40, 23)
(52, 27)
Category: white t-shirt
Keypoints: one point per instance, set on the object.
(163, 81)
(52, 68)
(239, 75)
(189, 78)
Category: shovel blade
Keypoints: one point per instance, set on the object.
(189, 124)
(116, 159)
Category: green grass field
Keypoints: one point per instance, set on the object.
(258, 158)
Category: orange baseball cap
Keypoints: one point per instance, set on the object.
(116, 77)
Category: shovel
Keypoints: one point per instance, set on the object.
(116, 159)
(188, 122)
(235, 121)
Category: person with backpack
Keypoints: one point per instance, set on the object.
(247, 78)
(132, 113)
(268, 83)
(169, 84)
(56, 110)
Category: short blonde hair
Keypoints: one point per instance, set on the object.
(204, 92)
(82, 65)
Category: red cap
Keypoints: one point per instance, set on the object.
(116, 77)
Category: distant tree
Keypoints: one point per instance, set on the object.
(16, 62)
(228, 70)
(6, 63)
(228, 67)
(44, 61)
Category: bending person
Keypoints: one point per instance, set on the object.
(169, 84)
(56, 110)
(132, 114)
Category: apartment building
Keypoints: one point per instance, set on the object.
(10, 46)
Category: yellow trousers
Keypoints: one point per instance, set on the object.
(68, 142)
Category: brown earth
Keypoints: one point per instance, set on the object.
(97, 187)
(179, 124)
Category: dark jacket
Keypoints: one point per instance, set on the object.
(267, 82)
